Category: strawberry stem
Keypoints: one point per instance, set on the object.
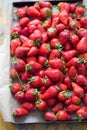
(28, 67)
(80, 118)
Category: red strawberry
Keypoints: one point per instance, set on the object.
(28, 106)
(46, 82)
(85, 99)
(72, 62)
(45, 12)
(19, 65)
(41, 73)
(49, 93)
(78, 91)
(41, 105)
(31, 28)
(75, 99)
(74, 39)
(54, 54)
(63, 16)
(32, 58)
(35, 22)
(81, 80)
(22, 12)
(79, 11)
(63, 95)
(14, 44)
(33, 67)
(51, 32)
(83, 22)
(53, 74)
(19, 112)
(56, 63)
(81, 69)
(50, 116)
(64, 36)
(45, 37)
(60, 27)
(23, 38)
(62, 87)
(82, 45)
(24, 22)
(35, 81)
(64, 6)
(20, 96)
(25, 31)
(67, 46)
(15, 31)
(44, 4)
(13, 74)
(57, 107)
(55, 21)
(33, 51)
(21, 52)
(72, 108)
(54, 42)
(63, 115)
(72, 7)
(25, 76)
(47, 24)
(73, 73)
(82, 113)
(68, 55)
(16, 87)
(43, 89)
(42, 60)
(31, 94)
(51, 102)
(82, 32)
(28, 43)
(67, 81)
(34, 13)
(44, 49)
(68, 101)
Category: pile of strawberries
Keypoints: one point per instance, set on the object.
(49, 61)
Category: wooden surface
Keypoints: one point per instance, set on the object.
(9, 126)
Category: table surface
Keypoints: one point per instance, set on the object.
(9, 126)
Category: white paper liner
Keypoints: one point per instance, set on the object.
(7, 102)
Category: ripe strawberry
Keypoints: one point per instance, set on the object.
(46, 24)
(45, 12)
(60, 27)
(44, 49)
(51, 102)
(34, 13)
(33, 51)
(42, 60)
(72, 7)
(28, 106)
(64, 6)
(33, 67)
(81, 69)
(72, 108)
(41, 73)
(41, 105)
(57, 107)
(81, 80)
(32, 58)
(62, 87)
(85, 99)
(75, 99)
(22, 12)
(52, 32)
(67, 46)
(23, 38)
(25, 76)
(44, 4)
(55, 21)
(63, 16)
(46, 81)
(20, 112)
(43, 89)
(31, 95)
(74, 39)
(78, 91)
(63, 95)
(28, 43)
(68, 101)
(54, 42)
(15, 87)
(53, 74)
(16, 31)
(56, 63)
(45, 37)
(19, 65)
(20, 97)
(54, 54)
(63, 116)
(79, 11)
(50, 116)
(73, 73)
(67, 81)
(82, 113)
(13, 74)
(82, 32)
(35, 81)
(24, 22)
(72, 62)
(83, 22)
(25, 31)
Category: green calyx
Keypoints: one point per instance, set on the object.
(51, 29)
(66, 94)
(38, 102)
(74, 78)
(46, 64)
(59, 47)
(48, 13)
(82, 60)
(58, 88)
(48, 47)
(36, 92)
(37, 42)
(74, 26)
(80, 118)
(44, 80)
(31, 79)
(15, 60)
(28, 67)
(10, 86)
(15, 35)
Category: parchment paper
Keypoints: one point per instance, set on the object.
(7, 102)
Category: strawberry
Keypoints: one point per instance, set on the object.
(55, 21)
(50, 116)
(79, 11)
(63, 115)
(33, 51)
(43, 89)
(41, 73)
(81, 80)
(35, 21)
(44, 49)
(28, 43)
(20, 97)
(46, 24)
(78, 91)
(81, 69)
(63, 16)
(68, 101)
(41, 105)
(44, 4)
(82, 113)
(15, 87)
(42, 60)
(54, 42)
(46, 81)
(31, 28)
(51, 102)
(45, 37)
(21, 52)
(52, 32)
(82, 45)
(25, 76)
(35, 81)
(67, 46)
(64, 6)
(33, 67)
(32, 58)
(85, 99)
(28, 106)
(82, 32)
(24, 22)
(83, 22)
(13, 74)
(74, 39)
(63, 95)
(34, 13)
(57, 107)
(75, 99)
(13, 45)
(73, 62)
(72, 7)
(19, 65)
(31, 95)
(72, 108)
(64, 36)
(16, 31)
(62, 87)
(60, 27)
(22, 12)
(53, 74)
(25, 31)
(49, 93)
(67, 81)
(45, 12)
(73, 73)
(54, 54)
(20, 112)
(56, 63)
(23, 38)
